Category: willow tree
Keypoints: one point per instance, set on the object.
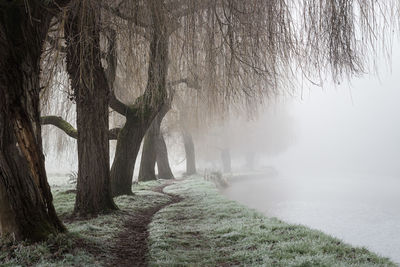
(85, 70)
(242, 52)
(80, 60)
(26, 208)
(245, 51)
(91, 91)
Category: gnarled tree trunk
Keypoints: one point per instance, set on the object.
(140, 116)
(26, 209)
(128, 145)
(91, 90)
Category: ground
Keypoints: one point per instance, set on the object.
(182, 223)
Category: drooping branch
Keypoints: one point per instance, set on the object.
(69, 129)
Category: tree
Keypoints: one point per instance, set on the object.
(140, 116)
(26, 208)
(243, 52)
(91, 90)
(163, 166)
(188, 143)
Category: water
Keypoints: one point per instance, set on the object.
(362, 210)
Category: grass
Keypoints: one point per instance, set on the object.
(66, 249)
(204, 229)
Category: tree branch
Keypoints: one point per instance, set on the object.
(61, 124)
(138, 21)
(117, 105)
(70, 130)
(189, 83)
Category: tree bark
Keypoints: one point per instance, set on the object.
(151, 145)
(26, 209)
(8, 225)
(149, 154)
(189, 152)
(128, 145)
(91, 90)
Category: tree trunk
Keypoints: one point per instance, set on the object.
(149, 155)
(8, 224)
(226, 160)
(164, 169)
(128, 145)
(91, 90)
(151, 145)
(26, 209)
(140, 116)
(190, 152)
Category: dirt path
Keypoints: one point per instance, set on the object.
(130, 247)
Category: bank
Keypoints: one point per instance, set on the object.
(196, 226)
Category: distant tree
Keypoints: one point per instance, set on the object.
(155, 151)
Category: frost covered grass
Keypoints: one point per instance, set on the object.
(76, 248)
(206, 229)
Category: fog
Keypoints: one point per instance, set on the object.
(327, 158)
(341, 173)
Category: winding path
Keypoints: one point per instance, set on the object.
(131, 245)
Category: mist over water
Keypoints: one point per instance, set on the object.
(342, 173)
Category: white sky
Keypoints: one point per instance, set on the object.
(352, 128)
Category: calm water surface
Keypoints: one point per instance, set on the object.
(363, 210)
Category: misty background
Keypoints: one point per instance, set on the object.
(341, 175)
(326, 158)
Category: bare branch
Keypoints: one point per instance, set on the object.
(69, 129)
(61, 124)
